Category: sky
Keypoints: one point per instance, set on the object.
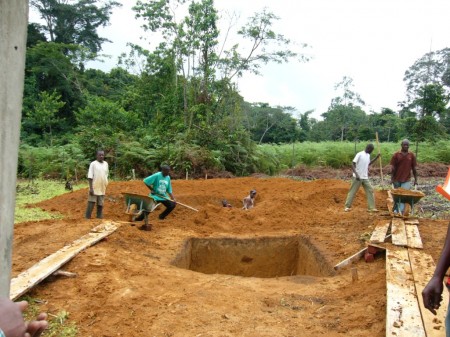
(373, 42)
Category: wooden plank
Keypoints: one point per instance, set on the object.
(422, 265)
(350, 259)
(379, 233)
(403, 317)
(398, 231)
(413, 237)
(411, 221)
(29, 278)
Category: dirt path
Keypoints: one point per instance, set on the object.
(128, 285)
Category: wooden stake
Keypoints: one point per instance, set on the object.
(64, 273)
(381, 164)
(354, 274)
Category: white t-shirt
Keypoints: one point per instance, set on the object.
(362, 161)
(98, 172)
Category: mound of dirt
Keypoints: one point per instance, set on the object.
(424, 170)
(139, 283)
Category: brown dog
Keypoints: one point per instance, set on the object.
(249, 201)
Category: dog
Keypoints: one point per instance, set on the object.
(69, 186)
(249, 201)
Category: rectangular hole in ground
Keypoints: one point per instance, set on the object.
(263, 257)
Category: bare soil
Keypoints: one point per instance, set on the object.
(139, 283)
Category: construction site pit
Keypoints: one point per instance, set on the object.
(179, 279)
(262, 257)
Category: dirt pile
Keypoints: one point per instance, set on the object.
(139, 283)
(424, 170)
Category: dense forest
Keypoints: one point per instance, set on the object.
(179, 103)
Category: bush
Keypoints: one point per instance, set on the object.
(62, 162)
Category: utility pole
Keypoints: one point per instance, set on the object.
(13, 40)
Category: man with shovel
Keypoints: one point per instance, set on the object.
(360, 167)
(161, 190)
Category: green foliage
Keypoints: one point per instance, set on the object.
(340, 154)
(432, 68)
(181, 104)
(133, 155)
(103, 124)
(45, 111)
(75, 22)
(65, 162)
(431, 101)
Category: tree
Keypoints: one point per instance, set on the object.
(432, 68)
(344, 114)
(431, 101)
(103, 123)
(49, 68)
(305, 123)
(75, 21)
(270, 124)
(45, 111)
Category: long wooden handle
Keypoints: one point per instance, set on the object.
(179, 203)
(379, 152)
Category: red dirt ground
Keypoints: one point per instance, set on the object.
(127, 286)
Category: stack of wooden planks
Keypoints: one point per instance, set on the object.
(404, 233)
(408, 270)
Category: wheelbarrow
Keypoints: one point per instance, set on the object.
(140, 204)
(404, 196)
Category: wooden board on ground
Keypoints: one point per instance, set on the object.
(350, 259)
(413, 237)
(379, 233)
(403, 317)
(422, 265)
(29, 278)
(398, 231)
(411, 221)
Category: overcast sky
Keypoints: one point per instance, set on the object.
(374, 42)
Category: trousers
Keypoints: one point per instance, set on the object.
(356, 184)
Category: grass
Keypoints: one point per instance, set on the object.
(59, 324)
(275, 158)
(31, 192)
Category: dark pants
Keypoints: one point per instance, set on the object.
(170, 206)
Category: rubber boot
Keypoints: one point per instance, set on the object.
(89, 209)
(99, 212)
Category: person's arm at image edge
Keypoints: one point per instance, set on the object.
(432, 294)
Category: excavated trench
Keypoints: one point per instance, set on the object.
(264, 257)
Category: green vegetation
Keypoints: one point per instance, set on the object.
(59, 324)
(30, 192)
(339, 154)
(179, 103)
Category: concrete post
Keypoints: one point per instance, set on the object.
(13, 37)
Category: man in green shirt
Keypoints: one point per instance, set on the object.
(161, 190)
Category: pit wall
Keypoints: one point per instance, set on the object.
(264, 257)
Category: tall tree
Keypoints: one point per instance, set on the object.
(431, 68)
(75, 21)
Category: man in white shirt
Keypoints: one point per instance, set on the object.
(98, 180)
(360, 167)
